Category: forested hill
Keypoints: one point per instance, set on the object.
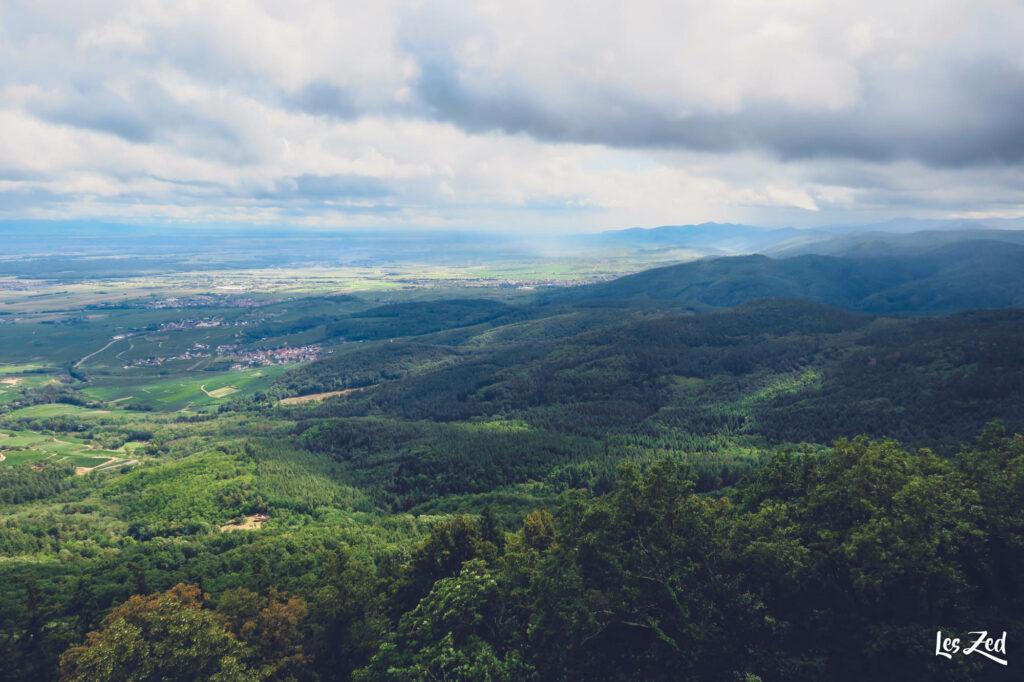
(961, 276)
(779, 369)
(599, 485)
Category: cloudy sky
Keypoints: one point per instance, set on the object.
(529, 116)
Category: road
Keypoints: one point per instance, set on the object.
(109, 344)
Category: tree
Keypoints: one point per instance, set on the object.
(443, 552)
(273, 628)
(457, 633)
(638, 585)
(168, 636)
(490, 528)
(538, 530)
(871, 551)
(348, 615)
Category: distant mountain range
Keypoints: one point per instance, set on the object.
(956, 276)
(723, 239)
(63, 250)
(254, 246)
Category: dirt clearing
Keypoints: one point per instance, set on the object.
(251, 522)
(299, 399)
(219, 392)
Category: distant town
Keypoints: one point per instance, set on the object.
(285, 355)
(207, 301)
(191, 323)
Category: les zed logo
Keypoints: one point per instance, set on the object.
(983, 644)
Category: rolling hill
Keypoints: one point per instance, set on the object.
(959, 276)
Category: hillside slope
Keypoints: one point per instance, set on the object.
(960, 276)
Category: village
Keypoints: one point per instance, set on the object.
(277, 356)
(197, 351)
(284, 355)
(206, 301)
(191, 323)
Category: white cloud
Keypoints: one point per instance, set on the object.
(561, 115)
(113, 36)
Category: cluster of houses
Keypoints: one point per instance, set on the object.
(206, 301)
(197, 351)
(245, 358)
(191, 323)
(276, 356)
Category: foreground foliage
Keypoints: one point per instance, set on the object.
(836, 565)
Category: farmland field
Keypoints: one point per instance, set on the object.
(182, 390)
(19, 369)
(53, 410)
(29, 447)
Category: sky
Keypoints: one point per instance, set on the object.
(510, 116)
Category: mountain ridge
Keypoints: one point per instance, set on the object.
(951, 277)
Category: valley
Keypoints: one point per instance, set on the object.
(511, 342)
(266, 436)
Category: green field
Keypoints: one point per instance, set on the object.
(20, 369)
(186, 390)
(16, 439)
(20, 457)
(12, 385)
(36, 447)
(86, 460)
(56, 409)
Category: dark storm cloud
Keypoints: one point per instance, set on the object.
(149, 114)
(102, 112)
(945, 117)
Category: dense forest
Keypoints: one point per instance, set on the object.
(564, 487)
(971, 273)
(798, 575)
